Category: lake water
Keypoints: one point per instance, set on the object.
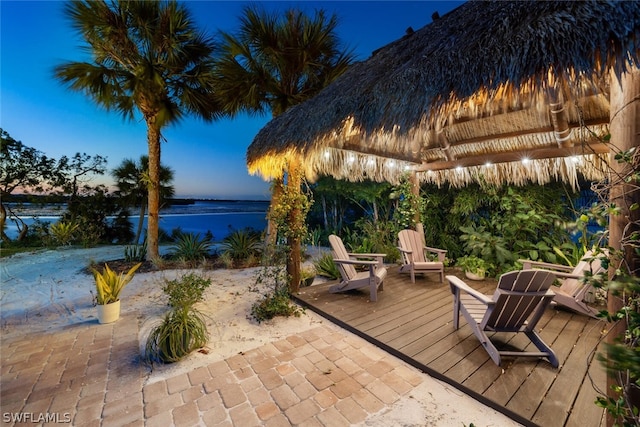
(218, 216)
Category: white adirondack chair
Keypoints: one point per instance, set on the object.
(516, 306)
(352, 279)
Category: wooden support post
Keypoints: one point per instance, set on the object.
(415, 190)
(625, 134)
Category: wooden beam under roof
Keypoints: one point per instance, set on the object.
(515, 156)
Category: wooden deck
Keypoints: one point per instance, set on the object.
(414, 322)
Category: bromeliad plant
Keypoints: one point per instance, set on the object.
(110, 284)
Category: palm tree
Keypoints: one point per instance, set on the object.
(132, 180)
(148, 57)
(273, 63)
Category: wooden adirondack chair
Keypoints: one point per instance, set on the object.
(516, 306)
(413, 250)
(352, 279)
(572, 292)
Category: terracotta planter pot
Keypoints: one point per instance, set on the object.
(109, 313)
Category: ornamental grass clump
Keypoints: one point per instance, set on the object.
(183, 329)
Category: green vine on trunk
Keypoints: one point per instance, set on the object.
(290, 201)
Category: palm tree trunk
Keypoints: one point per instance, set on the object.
(153, 141)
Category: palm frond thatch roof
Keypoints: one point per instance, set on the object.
(489, 82)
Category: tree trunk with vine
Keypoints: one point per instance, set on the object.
(625, 135)
(295, 220)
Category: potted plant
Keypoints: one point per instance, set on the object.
(109, 284)
(307, 275)
(474, 268)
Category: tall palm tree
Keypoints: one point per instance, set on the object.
(272, 63)
(132, 180)
(148, 58)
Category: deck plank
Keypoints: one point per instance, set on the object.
(414, 321)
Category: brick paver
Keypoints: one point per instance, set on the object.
(92, 375)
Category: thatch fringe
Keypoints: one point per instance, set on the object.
(542, 171)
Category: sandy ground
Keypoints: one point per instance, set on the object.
(45, 290)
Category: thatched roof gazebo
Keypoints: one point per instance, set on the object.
(508, 92)
(499, 92)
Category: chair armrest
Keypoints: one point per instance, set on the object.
(435, 250)
(356, 261)
(458, 283)
(440, 252)
(361, 255)
(528, 265)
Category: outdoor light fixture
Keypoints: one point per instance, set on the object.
(459, 168)
(525, 161)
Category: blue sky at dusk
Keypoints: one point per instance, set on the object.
(208, 159)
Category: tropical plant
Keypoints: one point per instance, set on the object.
(276, 303)
(474, 265)
(182, 331)
(307, 274)
(325, 266)
(274, 62)
(132, 181)
(148, 57)
(242, 245)
(63, 232)
(187, 290)
(135, 252)
(190, 248)
(110, 284)
(410, 207)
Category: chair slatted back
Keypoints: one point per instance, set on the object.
(412, 241)
(338, 251)
(573, 286)
(517, 296)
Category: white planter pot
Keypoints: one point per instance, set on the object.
(109, 313)
(473, 276)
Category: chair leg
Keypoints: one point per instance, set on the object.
(413, 275)
(456, 309)
(543, 347)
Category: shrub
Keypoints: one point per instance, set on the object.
(187, 290)
(190, 248)
(326, 267)
(183, 329)
(63, 232)
(276, 303)
(242, 245)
